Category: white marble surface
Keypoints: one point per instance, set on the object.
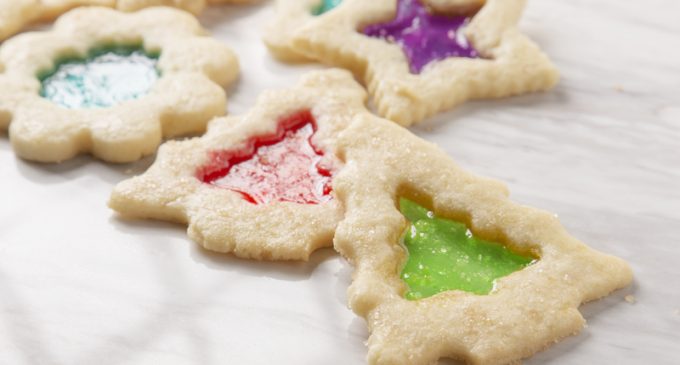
(79, 286)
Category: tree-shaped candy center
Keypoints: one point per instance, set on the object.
(444, 255)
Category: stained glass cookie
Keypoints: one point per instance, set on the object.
(258, 185)
(417, 61)
(17, 14)
(446, 265)
(112, 84)
(292, 15)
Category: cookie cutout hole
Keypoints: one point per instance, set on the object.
(106, 77)
(325, 6)
(285, 166)
(423, 36)
(444, 254)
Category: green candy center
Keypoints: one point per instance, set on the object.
(107, 77)
(444, 255)
(326, 6)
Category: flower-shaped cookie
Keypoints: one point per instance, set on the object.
(414, 61)
(111, 83)
(257, 185)
(16, 14)
(468, 298)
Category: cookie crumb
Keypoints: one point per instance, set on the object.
(128, 172)
(630, 299)
(619, 88)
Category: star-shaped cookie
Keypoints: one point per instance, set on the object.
(257, 185)
(111, 83)
(417, 61)
(292, 15)
(517, 315)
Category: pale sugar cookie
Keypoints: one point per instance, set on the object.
(446, 265)
(112, 84)
(17, 14)
(416, 60)
(292, 15)
(239, 2)
(258, 185)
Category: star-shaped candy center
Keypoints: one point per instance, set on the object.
(285, 166)
(424, 37)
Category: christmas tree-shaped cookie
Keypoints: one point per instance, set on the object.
(446, 265)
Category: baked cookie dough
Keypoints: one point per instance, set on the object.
(524, 299)
(310, 163)
(112, 84)
(218, 2)
(416, 57)
(257, 185)
(17, 14)
(292, 15)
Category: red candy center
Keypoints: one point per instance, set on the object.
(285, 166)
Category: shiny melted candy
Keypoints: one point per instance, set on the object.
(285, 166)
(326, 6)
(107, 77)
(444, 255)
(424, 37)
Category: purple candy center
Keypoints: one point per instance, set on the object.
(424, 37)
